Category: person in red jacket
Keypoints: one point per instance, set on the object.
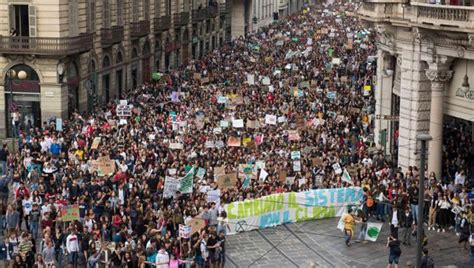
(22, 192)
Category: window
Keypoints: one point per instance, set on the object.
(73, 25)
(146, 8)
(20, 20)
(120, 12)
(91, 15)
(106, 14)
(157, 8)
(168, 7)
(135, 10)
(186, 6)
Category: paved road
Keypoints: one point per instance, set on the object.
(319, 241)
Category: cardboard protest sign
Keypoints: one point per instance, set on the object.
(266, 81)
(282, 176)
(317, 161)
(186, 182)
(337, 168)
(197, 76)
(209, 144)
(263, 175)
(201, 172)
(228, 180)
(295, 155)
(95, 143)
(296, 165)
(238, 123)
(224, 124)
(205, 80)
(218, 171)
(260, 164)
(253, 124)
(233, 142)
(185, 231)
(171, 187)
(251, 79)
(103, 167)
(270, 119)
(246, 141)
(176, 146)
(197, 224)
(70, 213)
(293, 135)
(214, 196)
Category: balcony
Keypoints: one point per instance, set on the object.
(417, 14)
(162, 23)
(181, 19)
(212, 11)
(199, 15)
(110, 36)
(46, 46)
(139, 29)
(461, 17)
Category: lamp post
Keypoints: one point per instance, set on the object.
(423, 138)
(10, 75)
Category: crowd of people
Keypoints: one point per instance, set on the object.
(301, 84)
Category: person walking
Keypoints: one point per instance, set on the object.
(426, 260)
(362, 217)
(72, 248)
(395, 251)
(349, 223)
(407, 223)
(395, 221)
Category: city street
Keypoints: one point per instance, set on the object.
(320, 242)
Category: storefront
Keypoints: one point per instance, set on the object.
(22, 95)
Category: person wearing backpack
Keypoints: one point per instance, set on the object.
(426, 261)
(395, 251)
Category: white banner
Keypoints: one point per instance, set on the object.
(277, 209)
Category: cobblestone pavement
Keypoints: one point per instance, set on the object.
(320, 242)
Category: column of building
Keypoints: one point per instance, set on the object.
(439, 74)
(415, 92)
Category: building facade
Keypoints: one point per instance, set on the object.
(425, 60)
(251, 15)
(60, 56)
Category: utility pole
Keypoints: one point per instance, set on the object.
(423, 138)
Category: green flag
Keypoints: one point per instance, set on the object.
(346, 177)
(373, 231)
(186, 184)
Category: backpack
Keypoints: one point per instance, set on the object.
(397, 251)
(370, 201)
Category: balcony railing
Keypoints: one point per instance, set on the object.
(139, 29)
(110, 36)
(181, 19)
(162, 23)
(420, 14)
(45, 45)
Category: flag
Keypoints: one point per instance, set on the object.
(186, 184)
(373, 231)
(346, 177)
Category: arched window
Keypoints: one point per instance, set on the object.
(119, 57)
(106, 62)
(146, 49)
(134, 53)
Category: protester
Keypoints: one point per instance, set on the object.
(287, 108)
(395, 251)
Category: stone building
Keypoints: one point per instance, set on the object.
(425, 59)
(251, 15)
(57, 56)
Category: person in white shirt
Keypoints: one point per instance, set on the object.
(395, 220)
(162, 258)
(72, 248)
(459, 178)
(444, 206)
